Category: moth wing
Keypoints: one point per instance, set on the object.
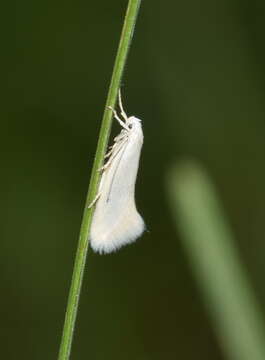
(116, 221)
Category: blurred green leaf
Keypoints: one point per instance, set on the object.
(215, 263)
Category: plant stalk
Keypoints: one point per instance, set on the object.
(81, 254)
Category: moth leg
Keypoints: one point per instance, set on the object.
(123, 113)
(99, 192)
(117, 118)
(108, 154)
(95, 200)
(111, 150)
(113, 153)
(105, 166)
(118, 139)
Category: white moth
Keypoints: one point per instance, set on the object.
(116, 221)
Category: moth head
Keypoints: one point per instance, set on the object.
(133, 122)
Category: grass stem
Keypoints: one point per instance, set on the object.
(81, 254)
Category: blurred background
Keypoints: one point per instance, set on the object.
(195, 76)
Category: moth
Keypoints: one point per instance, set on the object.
(116, 221)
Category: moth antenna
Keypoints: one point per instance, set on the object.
(123, 113)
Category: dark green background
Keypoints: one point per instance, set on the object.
(195, 76)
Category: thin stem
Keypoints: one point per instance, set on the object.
(214, 259)
(80, 260)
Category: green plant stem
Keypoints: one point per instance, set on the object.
(80, 260)
(216, 264)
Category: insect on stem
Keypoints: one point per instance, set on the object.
(116, 221)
